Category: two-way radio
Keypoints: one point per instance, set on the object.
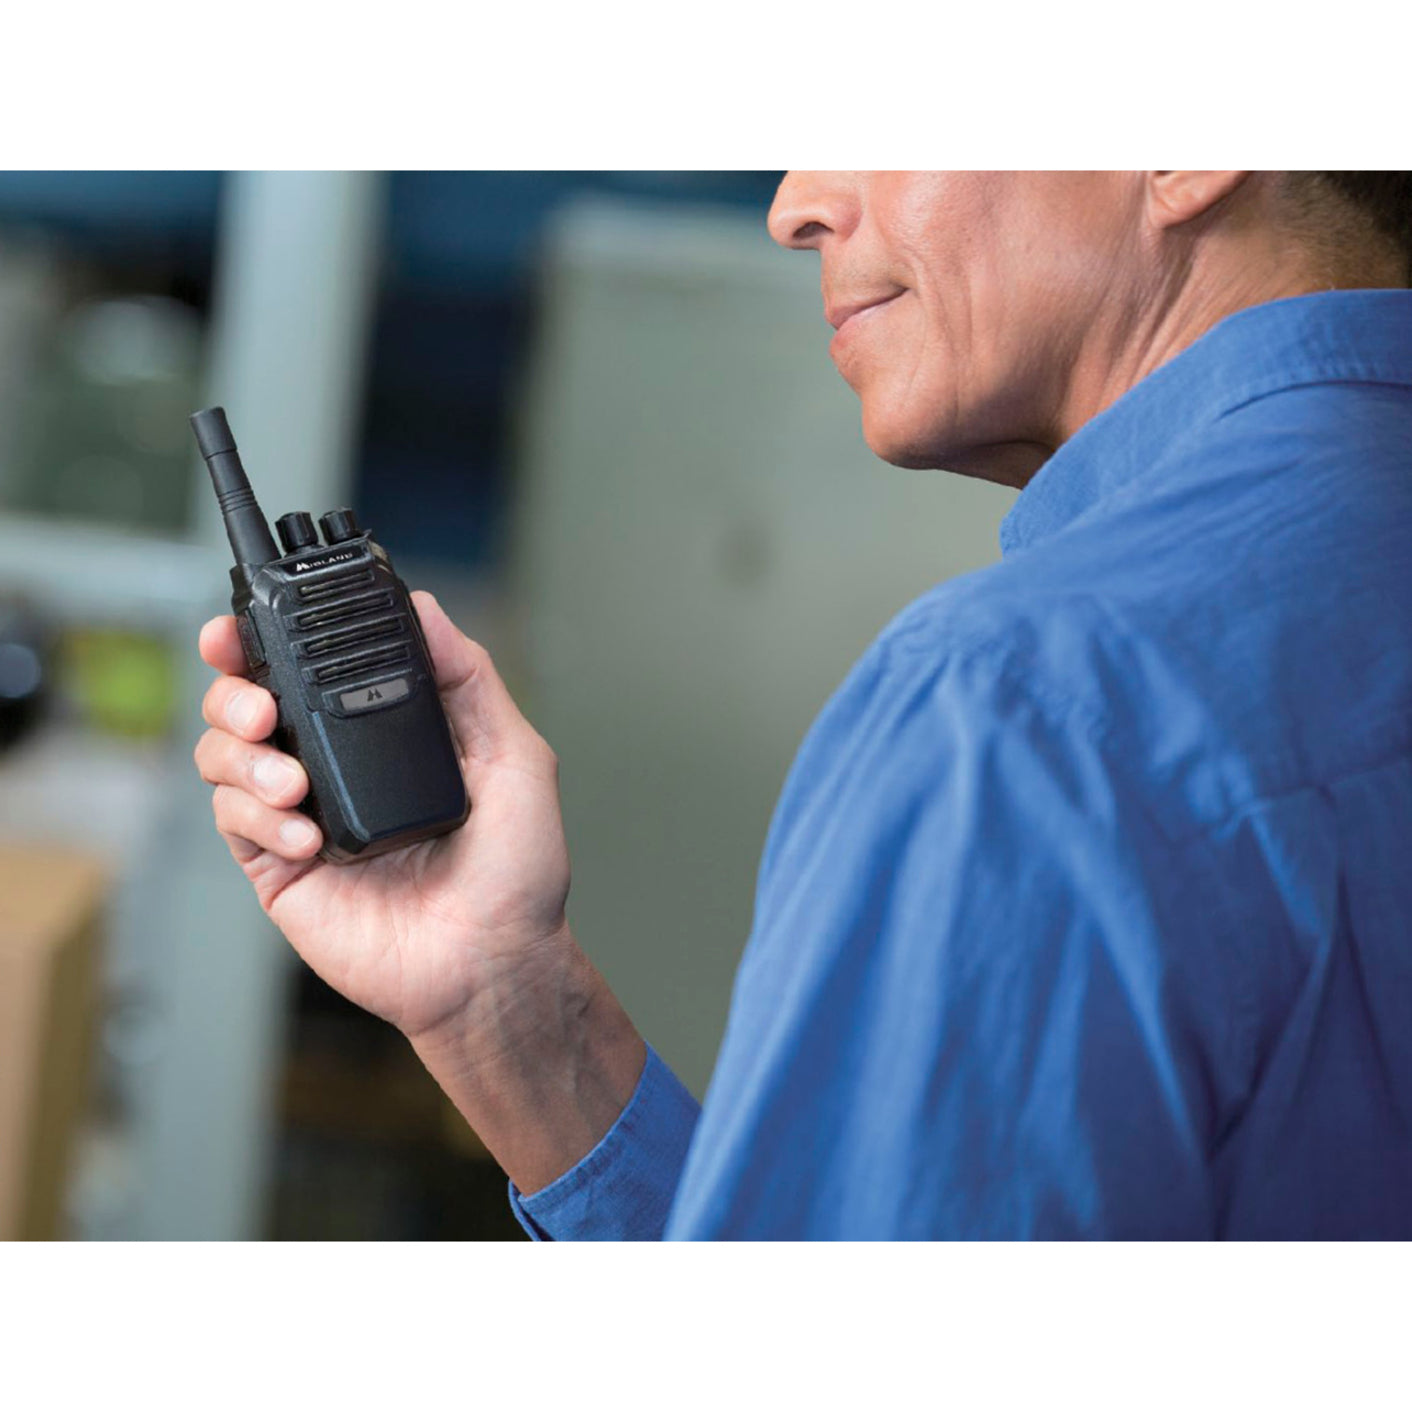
(330, 631)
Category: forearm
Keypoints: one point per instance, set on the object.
(540, 1064)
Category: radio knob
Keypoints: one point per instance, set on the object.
(339, 525)
(296, 531)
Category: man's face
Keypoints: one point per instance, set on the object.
(961, 300)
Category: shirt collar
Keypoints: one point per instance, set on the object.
(1346, 335)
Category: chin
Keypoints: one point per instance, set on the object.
(933, 448)
(902, 441)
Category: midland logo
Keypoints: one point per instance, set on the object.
(309, 565)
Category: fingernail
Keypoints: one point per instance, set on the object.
(297, 833)
(240, 710)
(273, 774)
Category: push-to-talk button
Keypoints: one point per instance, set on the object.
(365, 698)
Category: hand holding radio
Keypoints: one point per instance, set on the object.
(410, 935)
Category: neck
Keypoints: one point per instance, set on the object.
(1225, 275)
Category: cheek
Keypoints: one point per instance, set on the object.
(909, 377)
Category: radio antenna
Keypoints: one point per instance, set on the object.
(246, 527)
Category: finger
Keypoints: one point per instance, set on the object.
(219, 645)
(279, 831)
(277, 779)
(487, 721)
(233, 704)
(241, 849)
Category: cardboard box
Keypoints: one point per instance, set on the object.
(50, 911)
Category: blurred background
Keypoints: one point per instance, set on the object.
(595, 414)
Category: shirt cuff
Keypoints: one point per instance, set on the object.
(623, 1189)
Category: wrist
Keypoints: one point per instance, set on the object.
(540, 1063)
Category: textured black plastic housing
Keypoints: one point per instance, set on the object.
(332, 633)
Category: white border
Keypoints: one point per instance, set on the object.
(296, 84)
(722, 1327)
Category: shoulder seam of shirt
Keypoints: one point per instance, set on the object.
(1061, 714)
(1069, 722)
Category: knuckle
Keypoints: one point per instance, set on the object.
(543, 756)
(218, 698)
(226, 804)
(478, 660)
(213, 755)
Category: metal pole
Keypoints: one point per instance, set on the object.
(296, 272)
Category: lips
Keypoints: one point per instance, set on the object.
(840, 314)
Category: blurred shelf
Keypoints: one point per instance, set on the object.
(95, 574)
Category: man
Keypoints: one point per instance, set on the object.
(1086, 907)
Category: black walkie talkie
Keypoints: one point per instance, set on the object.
(331, 632)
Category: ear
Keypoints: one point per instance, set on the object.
(1174, 198)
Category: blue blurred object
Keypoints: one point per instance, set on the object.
(479, 230)
(113, 209)
(23, 670)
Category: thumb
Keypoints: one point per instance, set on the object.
(482, 712)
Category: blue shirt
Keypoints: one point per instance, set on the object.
(1087, 907)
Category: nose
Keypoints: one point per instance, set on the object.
(809, 206)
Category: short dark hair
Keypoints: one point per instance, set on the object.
(1382, 199)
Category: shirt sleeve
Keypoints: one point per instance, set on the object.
(623, 1189)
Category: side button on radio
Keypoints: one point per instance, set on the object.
(250, 641)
